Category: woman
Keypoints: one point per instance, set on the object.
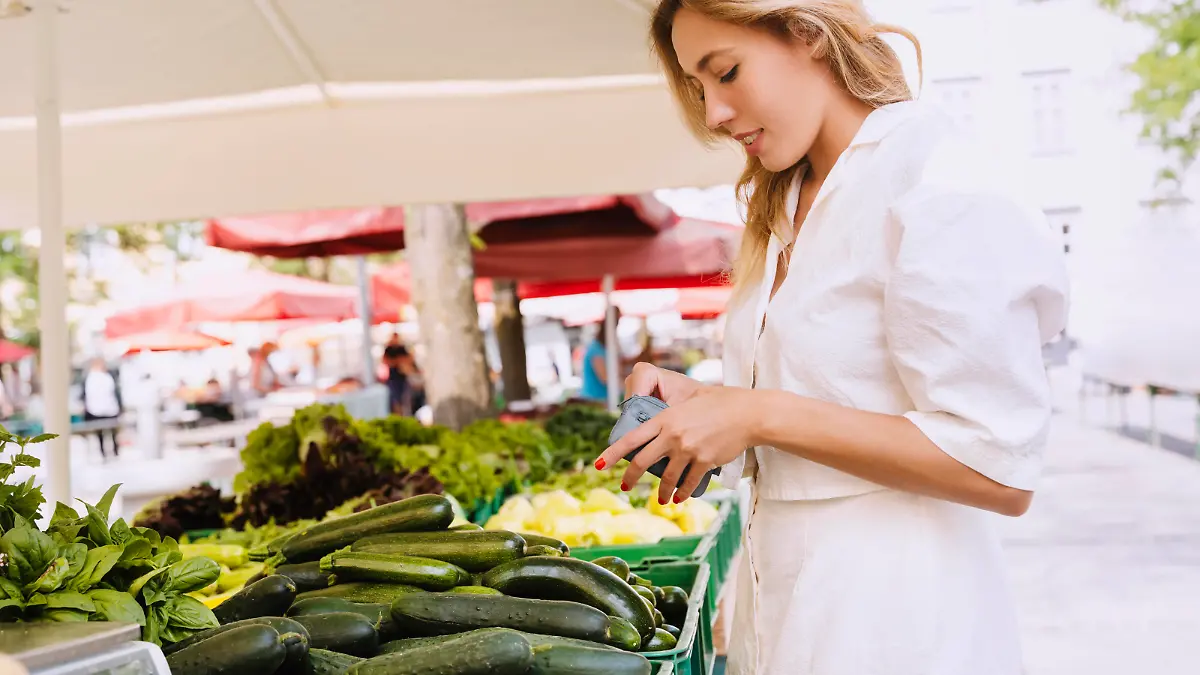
(882, 355)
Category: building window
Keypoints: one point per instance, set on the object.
(959, 98)
(1064, 221)
(1048, 102)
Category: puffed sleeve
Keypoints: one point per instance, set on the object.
(979, 284)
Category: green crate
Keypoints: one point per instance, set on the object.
(694, 654)
(667, 549)
(664, 668)
(481, 511)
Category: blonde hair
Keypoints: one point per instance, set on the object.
(842, 33)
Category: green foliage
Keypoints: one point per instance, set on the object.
(1168, 73)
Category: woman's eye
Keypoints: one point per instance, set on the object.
(730, 76)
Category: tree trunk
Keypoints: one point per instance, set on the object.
(439, 257)
(510, 334)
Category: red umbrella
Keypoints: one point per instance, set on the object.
(391, 289)
(253, 295)
(11, 352)
(170, 341)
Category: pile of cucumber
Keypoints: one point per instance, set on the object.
(394, 591)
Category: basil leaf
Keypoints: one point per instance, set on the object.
(97, 526)
(136, 548)
(156, 622)
(29, 553)
(140, 584)
(187, 612)
(149, 535)
(172, 634)
(116, 606)
(166, 558)
(191, 575)
(70, 600)
(51, 579)
(98, 563)
(9, 590)
(106, 501)
(76, 555)
(62, 615)
(63, 514)
(120, 532)
(35, 600)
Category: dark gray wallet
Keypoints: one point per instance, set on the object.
(634, 412)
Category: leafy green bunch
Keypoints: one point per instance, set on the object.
(580, 435)
(21, 500)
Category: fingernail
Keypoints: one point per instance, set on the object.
(662, 502)
(679, 498)
(600, 465)
(624, 487)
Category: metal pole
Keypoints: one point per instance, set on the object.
(364, 311)
(612, 351)
(52, 277)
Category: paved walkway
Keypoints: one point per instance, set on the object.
(1106, 565)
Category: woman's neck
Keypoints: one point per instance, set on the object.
(846, 116)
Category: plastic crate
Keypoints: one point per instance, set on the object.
(694, 654)
(663, 668)
(481, 511)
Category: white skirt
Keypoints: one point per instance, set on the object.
(886, 583)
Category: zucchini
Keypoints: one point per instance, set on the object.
(468, 527)
(675, 632)
(269, 596)
(362, 591)
(477, 590)
(624, 635)
(542, 549)
(378, 613)
(659, 619)
(427, 614)
(325, 662)
(242, 651)
(674, 605)
(343, 632)
(659, 594)
(576, 580)
(646, 593)
(543, 540)
(295, 660)
(421, 513)
(280, 624)
(615, 565)
(660, 641)
(473, 551)
(635, 580)
(535, 640)
(572, 660)
(307, 576)
(492, 653)
(427, 573)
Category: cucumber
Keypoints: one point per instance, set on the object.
(543, 540)
(468, 527)
(295, 661)
(660, 641)
(674, 605)
(477, 590)
(474, 551)
(362, 591)
(343, 632)
(535, 640)
(280, 624)
(421, 513)
(615, 565)
(645, 593)
(572, 660)
(427, 573)
(378, 613)
(325, 662)
(242, 651)
(492, 653)
(675, 632)
(269, 596)
(576, 580)
(542, 549)
(426, 614)
(307, 576)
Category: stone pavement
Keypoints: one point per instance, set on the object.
(1106, 564)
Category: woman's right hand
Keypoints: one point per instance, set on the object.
(671, 387)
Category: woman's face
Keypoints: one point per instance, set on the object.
(767, 93)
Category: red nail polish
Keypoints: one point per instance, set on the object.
(679, 499)
(600, 465)
(662, 502)
(624, 487)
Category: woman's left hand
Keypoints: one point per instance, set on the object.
(708, 430)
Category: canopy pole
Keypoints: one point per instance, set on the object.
(364, 311)
(52, 277)
(612, 362)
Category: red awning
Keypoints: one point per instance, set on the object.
(170, 341)
(391, 289)
(253, 295)
(11, 352)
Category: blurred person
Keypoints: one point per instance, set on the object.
(101, 401)
(595, 366)
(263, 379)
(400, 367)
(891, 390)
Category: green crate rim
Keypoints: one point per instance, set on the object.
(691, 623)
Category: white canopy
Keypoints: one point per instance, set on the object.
(192, 109)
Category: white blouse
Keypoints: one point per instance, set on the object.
(916, 287)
